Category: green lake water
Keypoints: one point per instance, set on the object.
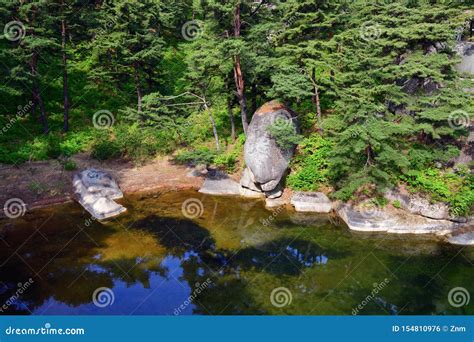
(231, 256)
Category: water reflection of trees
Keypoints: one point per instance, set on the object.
(73, 260)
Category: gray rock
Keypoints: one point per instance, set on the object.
(199, 171)
(467, 149)
(247, 181)
(219, 183)
(265, 159)
(415, 204)
(465, 239)
(466, 51)
(244, 192)
(275, 193)
(316, 202)
(95, 191)
(275, 202)
(381, 220)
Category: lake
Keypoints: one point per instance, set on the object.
(183, 253)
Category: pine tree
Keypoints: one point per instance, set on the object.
(396, 88)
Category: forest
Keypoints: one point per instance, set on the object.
(373, 83)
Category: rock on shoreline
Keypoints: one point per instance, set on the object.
(96, 191)
(315, 202)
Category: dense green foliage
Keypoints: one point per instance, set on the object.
(457, 189)
(310, 166)
(373, 84)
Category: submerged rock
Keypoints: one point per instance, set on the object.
(266, 161)
(219, 183)
(465, 239)
(96, 191)
(315, 202)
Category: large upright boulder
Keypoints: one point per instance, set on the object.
(266, 161)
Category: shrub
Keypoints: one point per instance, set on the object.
(105, 148)
(397, 204)
(75, 142)
(53, 149)
(456, 189)
(228, 160)
(137, 143)
(310, 165)
(195, 157)
(70, 165)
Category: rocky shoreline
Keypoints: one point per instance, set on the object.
(415, 216)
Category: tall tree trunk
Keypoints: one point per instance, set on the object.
(231, 117)
(138, 87)
(213, 122)
(238, 75)
(37, 93)
(65, 76)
